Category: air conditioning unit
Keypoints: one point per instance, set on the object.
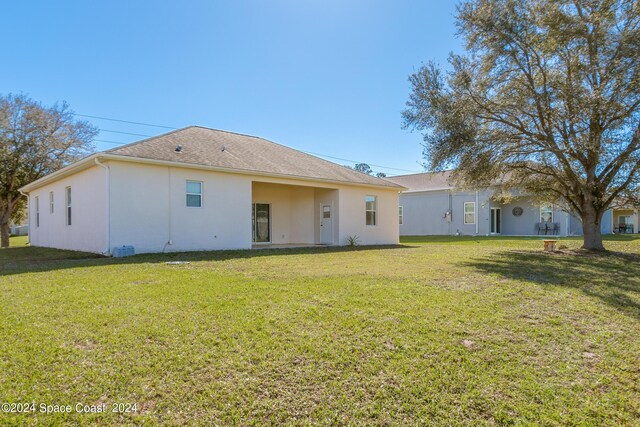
(122, 251)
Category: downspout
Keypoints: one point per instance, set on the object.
(477, 213)
(28, 216)
(450, 219)
(107, 251)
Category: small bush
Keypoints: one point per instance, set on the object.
(353, 240)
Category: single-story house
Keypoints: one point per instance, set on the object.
(203, 189)
(432, 205)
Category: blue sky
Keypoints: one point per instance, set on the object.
(327, 77)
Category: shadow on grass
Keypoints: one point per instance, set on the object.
(613, 277)
(36, 259)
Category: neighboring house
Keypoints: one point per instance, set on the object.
(19, 230)
(431, 205)
(203, 189)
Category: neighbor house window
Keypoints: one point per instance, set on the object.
(194, 194)
(67, 200)
(546, 213)
(37, 211)
(470, 212)
(400, 215)
(371, 206)
(50, 201)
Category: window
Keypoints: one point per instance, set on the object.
(400, 215)
(67, 197)
(51, 202)
(546, 213)
(370, 209)
(37, 211)
(194, 194)
(470, 212)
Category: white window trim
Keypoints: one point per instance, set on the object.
(201, 194)
(552, 211)
(51, 200)
(68, 206)
(37, 202)
(464, 213)
(375, 210)
(400, 215)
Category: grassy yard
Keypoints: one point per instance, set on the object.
(441, 331)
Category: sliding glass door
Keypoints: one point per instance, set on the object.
(261, 220)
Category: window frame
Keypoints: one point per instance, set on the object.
(542, 206)
(37, 203)
(374, 210)
(187, 193)
(400, 215)
(51, 203)
(464, 213)
(68, 206)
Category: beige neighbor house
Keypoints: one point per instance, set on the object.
(203, 189)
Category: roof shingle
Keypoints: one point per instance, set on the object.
(228, 150)
(427, 181)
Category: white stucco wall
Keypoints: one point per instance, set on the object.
(87, 231)
(148, 209)
(352, 218)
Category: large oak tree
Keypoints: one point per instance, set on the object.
(546, 99)
(34, 141)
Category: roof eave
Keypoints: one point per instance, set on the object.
(78, 166)
(90, 161)
(144, 160)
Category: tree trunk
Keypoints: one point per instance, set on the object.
(591, 223)
(4, 235)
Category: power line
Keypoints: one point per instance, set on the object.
(123, 133)
(125, 121)
(355, 161)
(173, 128)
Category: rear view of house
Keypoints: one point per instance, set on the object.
(432, 205)
(203, 189)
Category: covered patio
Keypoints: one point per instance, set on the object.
(625, 221)
(293, 216)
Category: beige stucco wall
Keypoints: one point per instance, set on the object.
(617, 213)
(292, 216)
(87, 231)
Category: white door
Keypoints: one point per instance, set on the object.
(326, 225)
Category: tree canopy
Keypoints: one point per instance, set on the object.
(546, 99)
(35, 141)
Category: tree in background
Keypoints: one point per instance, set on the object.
(34, 141)
(546, 100)
(365, 168)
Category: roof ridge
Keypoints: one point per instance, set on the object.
(227, 131)
(423, 173)
(288, 148)
(209, 137)
(148, 139)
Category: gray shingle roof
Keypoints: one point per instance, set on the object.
(424, 181)
(228, 150)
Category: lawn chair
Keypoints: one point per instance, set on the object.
(629, 229)
(540, 227)
(556, 228)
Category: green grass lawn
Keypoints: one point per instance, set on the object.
(440, 331)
